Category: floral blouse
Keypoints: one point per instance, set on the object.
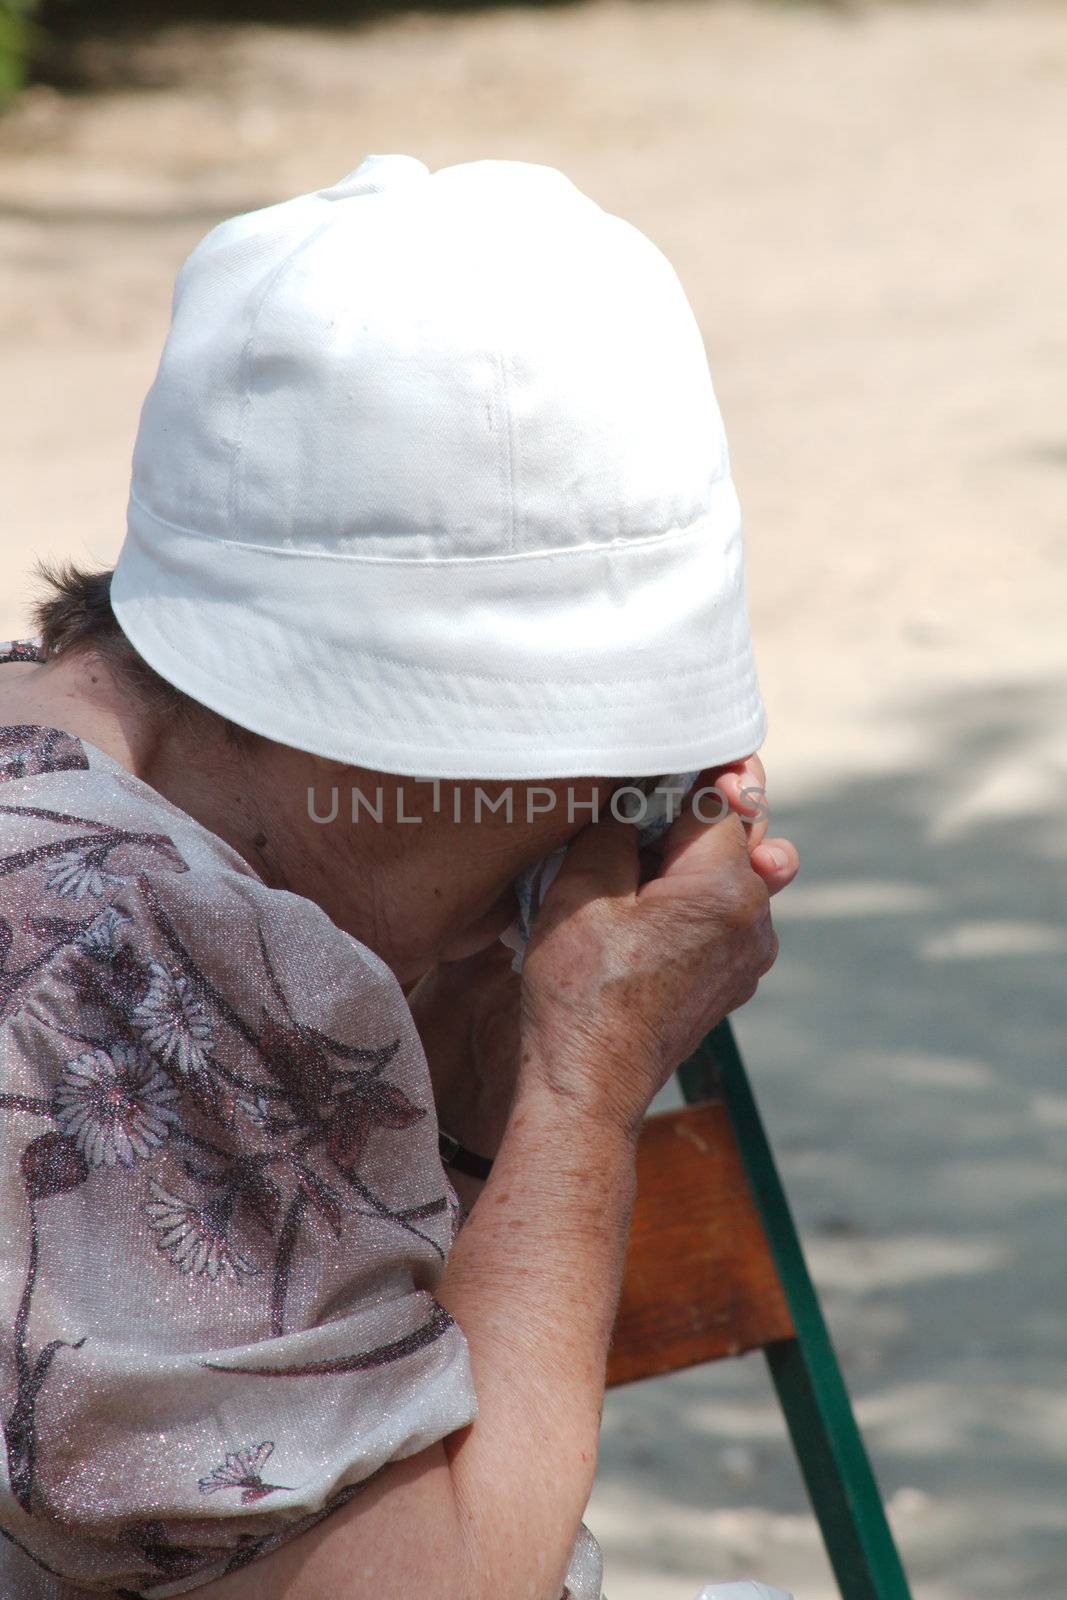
(223, 1208)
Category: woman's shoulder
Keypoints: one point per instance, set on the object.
(158, 998)
(79, 833)
(125, 921)
(226, 1203)
(171, 1022)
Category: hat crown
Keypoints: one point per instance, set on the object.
(464, 365)
(432, 480)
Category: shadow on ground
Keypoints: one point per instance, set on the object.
(908, 1056)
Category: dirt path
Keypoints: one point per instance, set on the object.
(868, 212)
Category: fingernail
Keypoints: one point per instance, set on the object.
(779, 857)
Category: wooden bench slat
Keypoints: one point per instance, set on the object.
(700, 1283)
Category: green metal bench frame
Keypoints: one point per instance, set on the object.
(807, 1377)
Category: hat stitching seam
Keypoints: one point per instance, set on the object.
(244, 387)
(678, 754)
(736, 666)
(748, 710)
(614, 544)
(506, 448)
(746, 707)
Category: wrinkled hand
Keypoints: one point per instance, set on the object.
(468, 1012)
(626, 972)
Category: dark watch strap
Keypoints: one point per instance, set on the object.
(456, 1155)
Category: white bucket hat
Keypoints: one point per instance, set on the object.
(432, 479)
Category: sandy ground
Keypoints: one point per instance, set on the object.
(867, 208)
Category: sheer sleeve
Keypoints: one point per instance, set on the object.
(225, 1214)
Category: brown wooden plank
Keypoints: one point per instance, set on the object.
(700, 1282)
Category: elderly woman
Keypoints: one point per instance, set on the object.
(432, 543)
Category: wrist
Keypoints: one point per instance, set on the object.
(587, 1085)
(575, 1106)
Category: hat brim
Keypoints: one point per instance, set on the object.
(615, 660)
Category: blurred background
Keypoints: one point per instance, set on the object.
(866, 205)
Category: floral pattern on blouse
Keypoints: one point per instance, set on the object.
(117, 1104)
(225, 1210)
(26, 752)
(241, 1470)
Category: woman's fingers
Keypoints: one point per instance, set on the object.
(740, 791)
(744, 787)
(750, 769)
(777, 863)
